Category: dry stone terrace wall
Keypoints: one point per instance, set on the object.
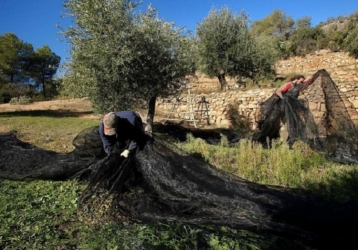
(216, 111)
(342, 68)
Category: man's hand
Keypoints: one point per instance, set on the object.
(125, 153)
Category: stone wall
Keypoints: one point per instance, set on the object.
(215, 110)
(341, 67)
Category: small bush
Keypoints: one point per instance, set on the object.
(38, 98)
(238, 121)
(21, 100)
(14, 90)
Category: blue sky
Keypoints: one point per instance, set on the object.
(34, 21)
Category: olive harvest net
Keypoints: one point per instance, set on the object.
(161, 183)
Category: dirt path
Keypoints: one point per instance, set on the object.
(70, 105)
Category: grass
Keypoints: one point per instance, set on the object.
(297, 168)
(48, 130)
(43, 214)
(35, 218)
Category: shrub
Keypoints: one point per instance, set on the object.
(38, 98)
(14, 90)
(21, 100)
(238, 121)
(351, 41)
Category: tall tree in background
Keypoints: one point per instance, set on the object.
(43, 66)
(276, 24)
(267, 53)
(303, 41)
(303, 22)
(122, 58)
(14, 55)
(225, 45)
(276, 28)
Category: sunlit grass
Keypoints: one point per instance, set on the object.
(297, 168)
(52, 133)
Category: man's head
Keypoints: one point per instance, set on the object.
(109, 124)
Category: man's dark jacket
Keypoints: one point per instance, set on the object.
(130, 133)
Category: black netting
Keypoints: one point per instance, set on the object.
(88, 143)
(165, 184)
(22, 161)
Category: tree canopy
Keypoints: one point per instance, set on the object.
(227, 48)
(224, 44)
(20, 65)
(277, 23)
(298, 38)
(128, 57)
(43, 66)
(14, 54)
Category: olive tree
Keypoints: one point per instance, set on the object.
(225, 46)
(123, 58)
(266, 54)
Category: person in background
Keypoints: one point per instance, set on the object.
(122, 132)
(271, 113)
(297, 80)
